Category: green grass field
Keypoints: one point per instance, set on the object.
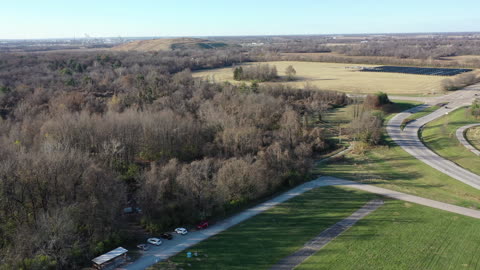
(401, 235)
(334, 76)
(264, 239)
(439, 135)
(473, 136)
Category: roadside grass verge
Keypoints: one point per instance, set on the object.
(417, 115)
(473, 136)
(261, 241)
(389, 166)
(439, 135)
(401, 235)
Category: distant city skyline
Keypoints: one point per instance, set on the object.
(29, 19)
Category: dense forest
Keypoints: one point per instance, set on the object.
(85, 135)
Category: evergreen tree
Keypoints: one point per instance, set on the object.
(237, 73)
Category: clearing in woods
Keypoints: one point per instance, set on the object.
(342, 77)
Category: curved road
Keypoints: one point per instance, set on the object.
(409, 140)
(463, 140)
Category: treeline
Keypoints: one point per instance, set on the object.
(414, 48)
(460, 81)
(84, 136)
(259, 72)
(388, 50)
(373, 60)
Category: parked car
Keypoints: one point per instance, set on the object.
(181, 231)
(143, 247)
(154, 241)
(166, 236)
(202, 225)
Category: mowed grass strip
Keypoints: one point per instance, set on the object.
(473, 136)
(439, 135)
(419, 114)
(402, 235)
(340, 77)
(261, 241)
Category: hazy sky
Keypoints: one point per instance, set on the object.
(55, 18)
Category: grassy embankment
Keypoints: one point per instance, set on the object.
(419, 114)
(439, 135)
(473, 136)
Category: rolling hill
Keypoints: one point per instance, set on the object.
(167, 44)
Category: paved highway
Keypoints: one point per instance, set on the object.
(409, 140)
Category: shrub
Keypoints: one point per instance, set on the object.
(475, 108)
(376, 101)
(460, 81)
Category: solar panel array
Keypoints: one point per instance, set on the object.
(418, 70)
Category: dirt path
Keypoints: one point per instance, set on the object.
(325, 237)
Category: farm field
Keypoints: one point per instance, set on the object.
(473, 136)
(402, 235)
(439, 135)
(264, 239)
(334, 76)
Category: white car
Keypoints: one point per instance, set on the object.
(154, 241)
(181, 231)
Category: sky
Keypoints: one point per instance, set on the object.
(30, 19)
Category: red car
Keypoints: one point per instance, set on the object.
(202, 225)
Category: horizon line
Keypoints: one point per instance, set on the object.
(267, 35)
